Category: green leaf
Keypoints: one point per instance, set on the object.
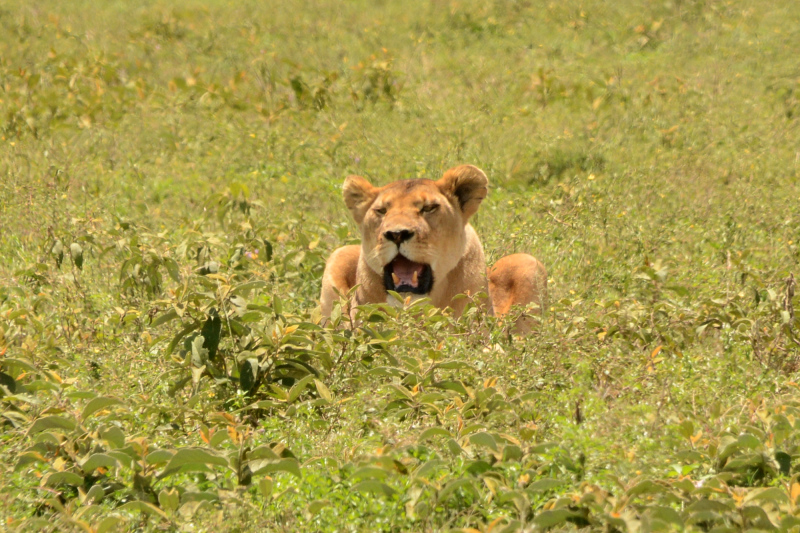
(192, 508)
(512, 452)
(265, 486)
(317, 505)
(788, 522)
(664, 514)
(374, 487)
(58, 252)
(172, 269)
(126, 456)
(251, 316)
(323, 391)
(478, 467)
(23, 364)
(454, 448)
(114, 436)
(35, 524)
(199, 352)
(63, 478)
(26, 458)
(8, 382)
(714, 506)
(169, 499)
(404, 392)
(199, 496)
(76, 252)
(98, 404)
(52, 422)
(453, 365)
(142, 507)
(434, 432)
(553, 518)
(376, 317)
(81, 395)
(158, 457)
(646, 487)
(97, 460)
(180, 335)
(287, 464)
(267, 253)
(483, 439)
(747, 462)
(193, 456)
(428, 467)
(774, 495)
(276, 391)
(163, 318)
(245, 288)
(757, 518)
(455, 386)
(784, 461)
(370, 472)
(211, 331)
(299, 387)
(248, 374)
(95, 495)
(263, 452)
(430, 398)
(748, 441)
(543, 485)
(197, 373)
(450, 488)
(680, 291)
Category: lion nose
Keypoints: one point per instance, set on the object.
(399, 236)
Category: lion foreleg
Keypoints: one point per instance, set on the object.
(339, 276)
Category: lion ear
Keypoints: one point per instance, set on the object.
(358, 196)
(468, 184)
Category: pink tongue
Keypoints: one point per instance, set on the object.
(404, 269)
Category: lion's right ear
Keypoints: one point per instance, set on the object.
(468, 185)
(358, 196)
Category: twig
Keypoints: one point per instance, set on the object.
(567, 224)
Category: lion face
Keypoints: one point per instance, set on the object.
(414, 231)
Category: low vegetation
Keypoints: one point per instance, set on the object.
(170, 186)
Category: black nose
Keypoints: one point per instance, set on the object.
(398, 237)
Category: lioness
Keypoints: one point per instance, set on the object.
(416, 240)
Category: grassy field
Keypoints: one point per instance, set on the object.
(170, 186)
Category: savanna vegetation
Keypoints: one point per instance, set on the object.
(170, 186)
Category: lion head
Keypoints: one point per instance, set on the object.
(414, 232)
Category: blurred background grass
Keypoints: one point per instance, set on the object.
(684, 112)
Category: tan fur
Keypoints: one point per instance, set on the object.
(518, 279)
(437, 215)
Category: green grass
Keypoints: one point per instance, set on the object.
(170, 188)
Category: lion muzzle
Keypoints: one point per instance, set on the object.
(405, 275)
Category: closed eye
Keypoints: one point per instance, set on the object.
(430, 208)
(380, 211)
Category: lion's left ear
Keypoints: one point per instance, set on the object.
(468, 184)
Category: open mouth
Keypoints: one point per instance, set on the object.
(404, 275)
